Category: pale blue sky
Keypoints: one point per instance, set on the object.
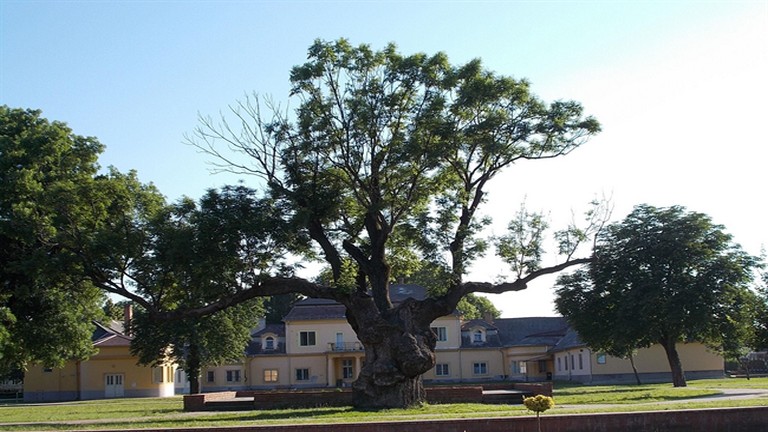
(679, 87)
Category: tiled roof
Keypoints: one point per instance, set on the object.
(276, 329)
(318, 309)
(254, 346)
(531, 331)
(104, 336)
(310, 310)
(477, 323)
(570, 340)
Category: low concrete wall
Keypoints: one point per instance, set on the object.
(705, 420)
(196, 402)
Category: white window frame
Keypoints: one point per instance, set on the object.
(233, 375)
(302, 374)
(441, 333)
(269, 343)
(271, 375)
(347, 369)
(442, 370)
(480, 368)
(307, 338)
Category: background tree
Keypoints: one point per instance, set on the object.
(662, 275)
(595, 316)
(199, 254)
(760, 341)
(194, 344)
(69, 234)
(276, 307)
(389, 153)
(47, 186)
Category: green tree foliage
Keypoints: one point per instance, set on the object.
(69, 234)
(473, 306)
(276, 307)
(195, 343)
(385, 162)
(662, 275)
(760, 341)
(192, 256)
(47, 188)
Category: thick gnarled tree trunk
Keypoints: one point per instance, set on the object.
(399, 348)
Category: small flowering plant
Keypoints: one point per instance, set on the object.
(539, 404)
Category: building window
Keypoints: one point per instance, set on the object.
(233, 375)
(581, 361)
(441, 333)
(210, 376)
(307, 338)
(347, 370)
(270, 375)
(441, 369)
(478, 336)
(542, 366)
(600, 358)
(269, 343)
(158, 375)
(302, 374)
(480, 368)
(573, 365)
(559, 364)
(566, 362)
(518, 367)
(47, 369)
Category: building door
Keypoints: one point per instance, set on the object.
(339, 341)
(113, 386)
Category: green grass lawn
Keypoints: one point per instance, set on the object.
(167, 412)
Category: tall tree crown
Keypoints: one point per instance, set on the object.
(389, 153)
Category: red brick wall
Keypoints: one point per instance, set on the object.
(455, 394)
(299, 398)
(709, 420)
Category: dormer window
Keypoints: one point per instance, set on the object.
(477, 336)
(269, 343)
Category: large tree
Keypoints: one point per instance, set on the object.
(665, 276)
(47, 186)
(388, 154)
(197, 254)
(69, 233)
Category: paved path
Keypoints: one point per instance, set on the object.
(725, 394)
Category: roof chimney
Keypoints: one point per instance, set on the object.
(127, 317)
(488, 317)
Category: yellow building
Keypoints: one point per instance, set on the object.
(575, 361)
(316, 347)
(112, 372)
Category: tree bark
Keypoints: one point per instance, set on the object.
(634, 368)
(193, 368)
(676, 367)
(399, 348)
